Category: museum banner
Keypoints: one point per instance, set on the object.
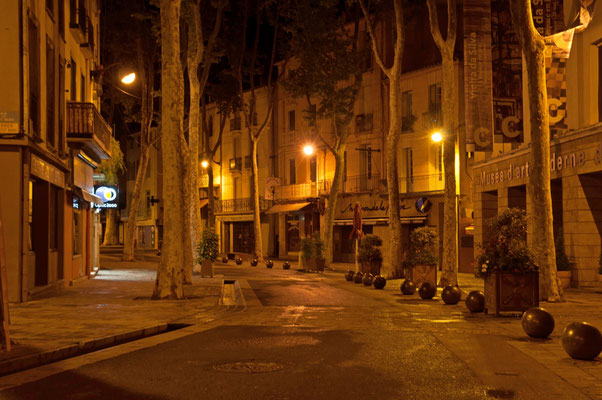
(477, 75)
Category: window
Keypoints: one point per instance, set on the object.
(236, 147)
(291, 120)
(407, 119)
(435, 98)
(235, 123)
(440, 161)
(254, 118)
(30, 217)
(313, 169)
(61, 107)
(50, 92)
(366, 52)
(53, 212)
(34, 76)
(50, 7)
(61, 22)
(77, 230)
(363, 123)
(345, 166)
(82, 86)
(292, 177)
(73, 89)
(410, 164)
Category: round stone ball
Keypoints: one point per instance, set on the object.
(582, 341)
(286, 265)
(349, 276)
(427, 291)
(475, 301)
(451, 294)
(269, 263)
(239, 261)
(367, 279)
(254, 262)
(225, 260)
(379, 282)
(357, 278)
(407, 287)
(538, 323)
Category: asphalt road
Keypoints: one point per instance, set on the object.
(308, 336)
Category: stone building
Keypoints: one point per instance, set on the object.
(52, 137)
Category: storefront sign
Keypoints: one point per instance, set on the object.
(43, 169)
(377, 207)
(108, 195)
(558, 162)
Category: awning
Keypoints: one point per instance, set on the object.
(235, 218)
(283, 208)
(87, 196)
(381, 221)
(204, 202)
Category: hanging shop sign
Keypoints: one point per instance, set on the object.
(109, 196)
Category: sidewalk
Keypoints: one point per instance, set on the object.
(95, 312)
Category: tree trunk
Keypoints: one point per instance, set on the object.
(189, 194)
(333, 196)
(168, 283)
(130, 235)
(111, 233)
(449, 272)
(393, 267)
(256, 205)
(540, 215)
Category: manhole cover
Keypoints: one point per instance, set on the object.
(249, 367)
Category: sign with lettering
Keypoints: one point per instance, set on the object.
(374, 206)
(9, 122)
(109, 196)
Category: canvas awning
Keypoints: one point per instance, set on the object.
(87, 196)
(283, 208)
(203, 202)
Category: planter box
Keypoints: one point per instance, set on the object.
(308, 263)
(506, 291)
(371, 267)
(423, 273)
(320, 264)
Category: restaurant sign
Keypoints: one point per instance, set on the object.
(375, 206)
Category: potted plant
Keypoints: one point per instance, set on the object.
(319, 252)
(563, 265)
(308, 260)
(422, 258)
(207, 251)
(369, 254)
(506, 264)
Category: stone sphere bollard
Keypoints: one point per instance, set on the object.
(357, 278)
(379, 282)
(367, 279)
(254, 262)
(225, 260)
(582, 341)
(239, 261)
(475, 301)
(286, 265)
(407, 287)
(451, 294)
(427, 291)
(349, 276)
(537, 323)
(269, 263)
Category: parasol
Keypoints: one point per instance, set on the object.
(357, 232)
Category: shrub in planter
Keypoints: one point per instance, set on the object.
(370, 255)
(506, 264)
(207, 251)
(307, 253)
(422, 258)
(319, 248)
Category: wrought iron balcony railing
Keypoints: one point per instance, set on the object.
(86, 127)
(240, 205)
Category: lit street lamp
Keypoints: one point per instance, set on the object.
(129, 78)
(308, 149)
(204, 163)
(436, 137)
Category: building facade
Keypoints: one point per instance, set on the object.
(501, 176)
(52, 137)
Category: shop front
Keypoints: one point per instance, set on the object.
(576, 186)
(294, 221)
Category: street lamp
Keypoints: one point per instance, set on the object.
(129, 78)
(204, 163)
(436, 137)
(308, 149)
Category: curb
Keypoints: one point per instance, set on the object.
(50, 356)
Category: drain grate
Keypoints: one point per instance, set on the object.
(249, 367)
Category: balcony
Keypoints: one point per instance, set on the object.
(245, 205)
(299, 191)
(421, 183)
(87, 128)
